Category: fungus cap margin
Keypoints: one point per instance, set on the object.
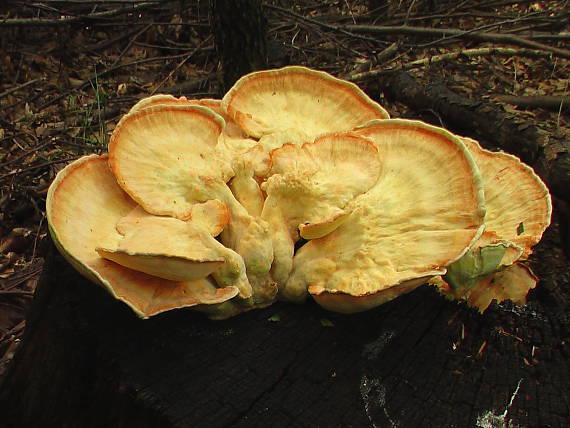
(166, 157)
(295, 97)
(519, 206)
(84, 187)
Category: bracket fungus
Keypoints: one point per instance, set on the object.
(519, 209)
(296, 184)
(84, 204)
(416, 220)
(298, 98)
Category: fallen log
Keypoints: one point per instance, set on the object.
(554, 103)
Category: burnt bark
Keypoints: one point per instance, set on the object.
(240, 29)
(479, 119)
(419, 361)
(554, 102)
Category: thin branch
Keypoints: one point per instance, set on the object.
(554, 103)
(62, 21)
(481, 29)
(375, 60)
(27, 273)
(107, 43)
(181, 63)
(34, 167)
(91, 2)
(130, 44)
(104, 73)
(17, 88)
(449, 32)
(16, 293)
(13, 332)
(559, 36)
(26, 153)
(337, 28)
(468, 53)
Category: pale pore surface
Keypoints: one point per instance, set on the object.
(212, 215)
(294, 136)
(314, 182)
(423, 213)
(166, 158)
(83, 206)
(272, 101)
(176, 250)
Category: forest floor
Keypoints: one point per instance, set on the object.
(70, 69)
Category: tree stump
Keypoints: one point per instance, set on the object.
(418, 361)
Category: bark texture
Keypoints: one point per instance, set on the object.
(419, 361)
(555, 103)
(240, 29)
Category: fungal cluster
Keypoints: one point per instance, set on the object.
(295, 184)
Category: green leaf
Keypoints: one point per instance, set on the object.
(520, 228)
(326, 322)
(467, 271)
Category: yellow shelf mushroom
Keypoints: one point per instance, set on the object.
(84, 205)
(298, 98)
(519, 208)
(414, 221)
(202, 204)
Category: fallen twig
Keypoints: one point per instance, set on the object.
(17, 88)
(34, 167)
(181, 63)
(559, 36)
(468, 53)
(449, 32)
(130, 44)
(16, 293)
(338, 28)
(14, 331)
(106, 72)
(82, 2)
(384, 55)
(554, 103)
(26, 153)
(31, 271)
(17, 22)
(106, 43)
(486, 29)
